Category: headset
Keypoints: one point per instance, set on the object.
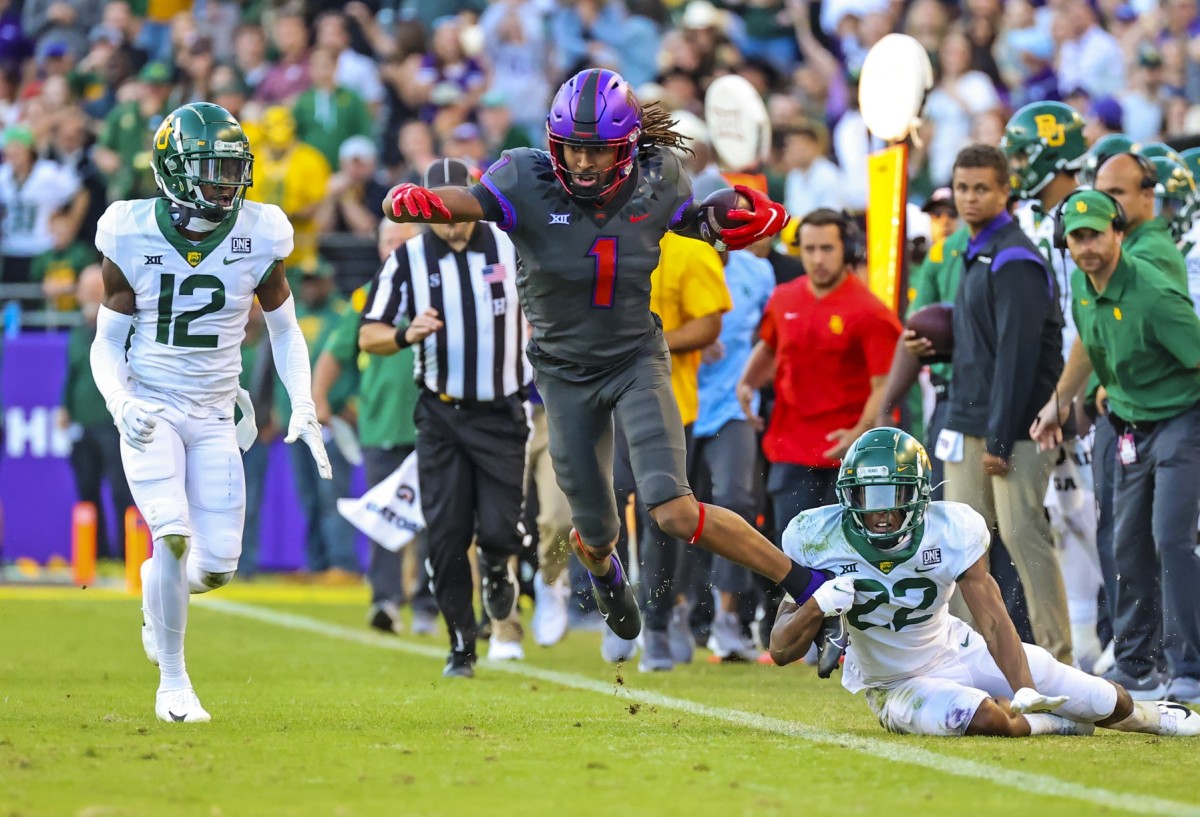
(1118, 223)
(853, 246)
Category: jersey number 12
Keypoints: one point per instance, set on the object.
(176, 332)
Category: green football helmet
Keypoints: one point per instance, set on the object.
(1191, 160)
(1174, 195)
(1042, 140)
(1107, 146)
(886, 469)
(198, 145)
(1152, 149)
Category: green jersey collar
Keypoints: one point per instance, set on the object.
(883, 562)
(192, 253)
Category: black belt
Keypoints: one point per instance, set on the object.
(1121, 425)
(503, 404)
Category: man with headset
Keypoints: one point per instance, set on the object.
(826, 341)
(1143, 338)
(1007, 357)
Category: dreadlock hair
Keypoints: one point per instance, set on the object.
(656, 129)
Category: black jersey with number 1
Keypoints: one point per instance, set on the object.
(584, 271)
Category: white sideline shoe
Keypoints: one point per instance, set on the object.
(550, 621)
(505, 650)
(149, 643)
(180, 706)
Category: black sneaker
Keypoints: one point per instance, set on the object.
(499, 587)
(459, 665)
(617, 603)
(832, 640)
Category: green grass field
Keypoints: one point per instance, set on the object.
(315, 715)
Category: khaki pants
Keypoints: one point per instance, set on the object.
(1014, 503)
(554, 514)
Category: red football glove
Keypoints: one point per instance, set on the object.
(764, 219)
(410, 201)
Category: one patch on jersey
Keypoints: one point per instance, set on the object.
(241, 245)
(933, 556)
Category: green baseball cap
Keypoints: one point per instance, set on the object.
(155, 73)
(1089, 208)
(18, 134)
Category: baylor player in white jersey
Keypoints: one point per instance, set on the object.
(181, 272)
(898, 558)
(1044, 145)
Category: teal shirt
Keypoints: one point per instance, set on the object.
(317, 325)
(81, 398)
(936, 281)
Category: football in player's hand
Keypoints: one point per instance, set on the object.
(935, 323)
(714, 212)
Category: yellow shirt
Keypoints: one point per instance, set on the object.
(295, 182)
(688, 283)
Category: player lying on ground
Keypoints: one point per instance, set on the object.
(587, 218)
(183, 271)
(898, 557)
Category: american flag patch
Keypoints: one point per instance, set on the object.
(494, 274)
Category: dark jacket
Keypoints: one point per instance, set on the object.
(1007, 337)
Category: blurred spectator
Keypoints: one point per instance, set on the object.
(519, 58)
(943, 215)
(14, 45)
(355, 194)
(604, 33)
(1104, 117)
(448, 78)
(46, 21)
(1182, 31)
(812, 180)
(250, 55)
(197, 62)
(96, 77)
(122, 150)
(10, 106)
(95, 441)
(353, 70)
(255, 377)
(328, 114)
(155, 35)
(403, 101)
(496, 125)
(466, 142)
(960, 94)
(33, 192)
(1088, 56)
(1031, 75)
(229, 91)
(288, 77)
(417, 150)
(1143, 100)
(292, 175)
(60, 267)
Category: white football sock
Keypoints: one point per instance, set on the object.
(1045, 723)
(167, 595)
(1145, 717)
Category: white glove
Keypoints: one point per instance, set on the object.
(246, 430)
(304, 426)
(1030, 700)
(135, 419)
(835, 597)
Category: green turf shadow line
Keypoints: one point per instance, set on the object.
(896, 750)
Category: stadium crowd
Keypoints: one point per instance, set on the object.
(342, 101)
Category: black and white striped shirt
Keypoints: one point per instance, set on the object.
(479, 353)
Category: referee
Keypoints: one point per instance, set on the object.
(451, 293)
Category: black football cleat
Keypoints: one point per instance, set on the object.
(614, 598)
(832, 640)
(459, 665)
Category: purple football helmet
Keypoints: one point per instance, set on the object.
(596, 109)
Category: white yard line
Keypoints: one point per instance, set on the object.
(896, 751)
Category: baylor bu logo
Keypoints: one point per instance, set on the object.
(195, 258)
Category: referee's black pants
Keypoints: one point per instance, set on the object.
(471, 463)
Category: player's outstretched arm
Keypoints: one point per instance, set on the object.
(794, 630)
(982, 597)
(442, 205)
(290, 352)
(134, 418)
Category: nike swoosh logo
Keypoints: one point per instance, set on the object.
(177, 718)
(966, 641)
(228, 261)
(636, 219)
(925, 569)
